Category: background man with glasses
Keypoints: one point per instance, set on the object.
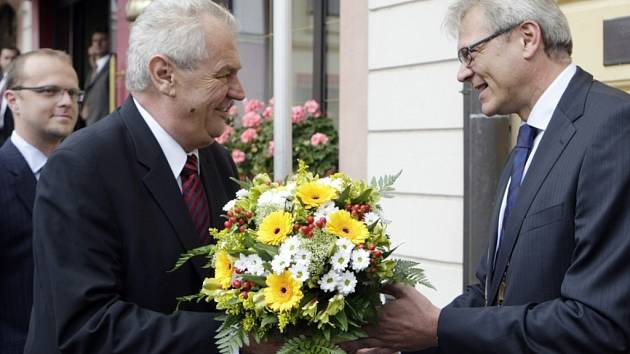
(556, 275)
(43, 93)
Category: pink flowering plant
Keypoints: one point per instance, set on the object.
(249, 137)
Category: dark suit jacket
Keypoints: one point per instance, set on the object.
(97, 95)
(7, 129)
(567, 241)
(17, 192)
(109, 223)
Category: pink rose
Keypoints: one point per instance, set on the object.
(272, 101)
(225, 135)
(249, 135)
(232, 111)
(238, 156)
(268, 113)
(253, 105)
(299, 114)
(319, 139)
(271, 148)
(251, 119)
(312, 107)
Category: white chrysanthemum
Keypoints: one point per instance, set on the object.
(325, 210)
(344, 246)
(302, 257)
(242, 193)
(229, 205)
(255, 265)
(273, 197)
(370, 218)
(329, 281)
(336, 183)
(290, 188)
(280, 263)
(360, 259)
(346, 284)
(299, 272)
(290, 246)
(339, 260)
(242, 263)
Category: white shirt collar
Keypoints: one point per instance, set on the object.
(100, 63)
(34, 158)
(545, 106)
(175, 154)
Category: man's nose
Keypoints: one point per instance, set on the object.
(464, 73)
(236, 91)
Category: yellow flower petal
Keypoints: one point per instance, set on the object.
(313, 194)
(342, 224)
(223, 269)
(283, 292)
(275, 228)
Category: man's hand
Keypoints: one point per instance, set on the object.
(406, 324)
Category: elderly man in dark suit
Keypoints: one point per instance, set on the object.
(556, 275)
(121, 200)
(43, 91)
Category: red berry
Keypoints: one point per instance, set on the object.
(227, 224)
(245, 294)
(242, 228)
(233, 219)
(371, 247)
(349, 207)
(247, 286)
(230, 214)
(237, 210)
(238, 270)
(320, 223)
(372, 270)
(236, 283)
(377, 253)
(241, 222)
(249, 215)
(355, 213)
(296, 227)
(310, 219)
(304, 229)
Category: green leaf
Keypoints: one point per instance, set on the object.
(384, 184)
(258, 280)
(203, 250)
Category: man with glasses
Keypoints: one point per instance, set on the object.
(43, 93)
(555, 278)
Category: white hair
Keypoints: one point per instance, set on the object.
(503, 14)
(175, 29)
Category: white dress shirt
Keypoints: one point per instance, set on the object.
(3, 102)
(175, 154)
(34, 158)
(539, 118)
(100, 63)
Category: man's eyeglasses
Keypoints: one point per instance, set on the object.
(53, 91)
(464, 54)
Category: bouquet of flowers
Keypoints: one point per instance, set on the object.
(250, 138)
(303, 260)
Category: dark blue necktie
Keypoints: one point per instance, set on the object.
(524, 143)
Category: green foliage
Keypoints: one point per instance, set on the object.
(230, 336)
(199, 251)
(311, 345)
(406, 272)
(384, 184)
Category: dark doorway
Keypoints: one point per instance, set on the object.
(7, 26)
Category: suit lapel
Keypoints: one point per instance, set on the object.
(160, 182)
(104, 71)
(213, 186)
(559, 133)
(25, 181)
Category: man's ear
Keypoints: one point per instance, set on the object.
(531, 38)
(11, 98)
(162, 75)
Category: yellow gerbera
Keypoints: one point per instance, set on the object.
(223, 269)
(275, 227)
(313, 194)
(282, 292)
(342, 224)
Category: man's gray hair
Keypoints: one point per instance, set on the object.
(175, 29)
(503, 14)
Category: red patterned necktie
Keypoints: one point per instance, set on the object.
(195, 198)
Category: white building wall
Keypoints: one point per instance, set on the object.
(415, 124)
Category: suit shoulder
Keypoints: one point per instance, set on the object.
(96, 139)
